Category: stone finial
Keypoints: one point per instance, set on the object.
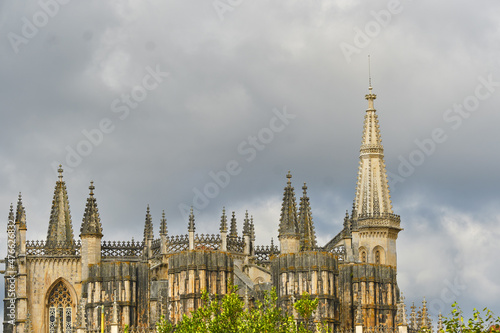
(252, 229)
(306, 226)
(233, 232)
(440, 326)
(21, 214)
(223, 221)
(288, 226)
(163, 224)
(60, 171)
(246, 225)
(60, 231)
(148, 226)
(191, 227)
(91, 223)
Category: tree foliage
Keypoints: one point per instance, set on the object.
(228, 314)
(481, 322)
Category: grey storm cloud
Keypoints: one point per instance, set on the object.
(77, 88)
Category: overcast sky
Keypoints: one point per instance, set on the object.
(153, 99)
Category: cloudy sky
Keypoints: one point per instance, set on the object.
(152, 100)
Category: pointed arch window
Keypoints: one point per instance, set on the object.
(363, 256)
(60, 310)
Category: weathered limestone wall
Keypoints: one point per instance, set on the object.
(191, 272)
(43, 274)
(313, 272)
(123, 278)
(375, 286)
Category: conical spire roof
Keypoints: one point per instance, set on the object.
(60, 232)
(306, 227)
(21, 214)
(372, 189)
(148, 226)
(163, 225)
(288, 221)
(91, 224)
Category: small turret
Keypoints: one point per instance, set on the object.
(288, 229)
(246, 233)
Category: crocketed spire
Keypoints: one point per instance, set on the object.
(288, 221)
(21, 214)
(60, 232)
(306, 227)
(246, 225)
(223, 221)
(148, 226)
(163, 225)
(191, 227)
(91, 224)
(233, 232)
(372, 189)
(252, 229)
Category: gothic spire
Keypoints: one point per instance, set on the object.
(21, 214)
(191, 226)
(223, 221)
(91, 224)
(306, 227)
(148, 226)
(246, 225)
(60, 227)
(233, 232)
(252, 229)
(11, 214)
(372, 189)
(288, 221)
(163, 225)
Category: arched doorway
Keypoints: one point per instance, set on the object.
(60, 309)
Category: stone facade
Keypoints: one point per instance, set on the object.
(62, 285)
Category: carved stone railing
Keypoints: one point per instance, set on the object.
(117, 249)
(339, 252)
(177, 243)
(156, 247)
(236, 244)
(58, 249)
(381, 219)
(207, 242)
(263, 253)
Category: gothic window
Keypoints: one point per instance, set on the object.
(363, 256)
(377, 257)
(60, 310)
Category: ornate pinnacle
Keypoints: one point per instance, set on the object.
(223, 221)
(191, 227)
(163, 225)
(148, 226)
(246, 225)
(21, 214)
(252, 229)
(288, 221)
(91, 223)
(60, 171)
(233, 231)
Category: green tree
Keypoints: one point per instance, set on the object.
(479, 323)
(228, 314)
